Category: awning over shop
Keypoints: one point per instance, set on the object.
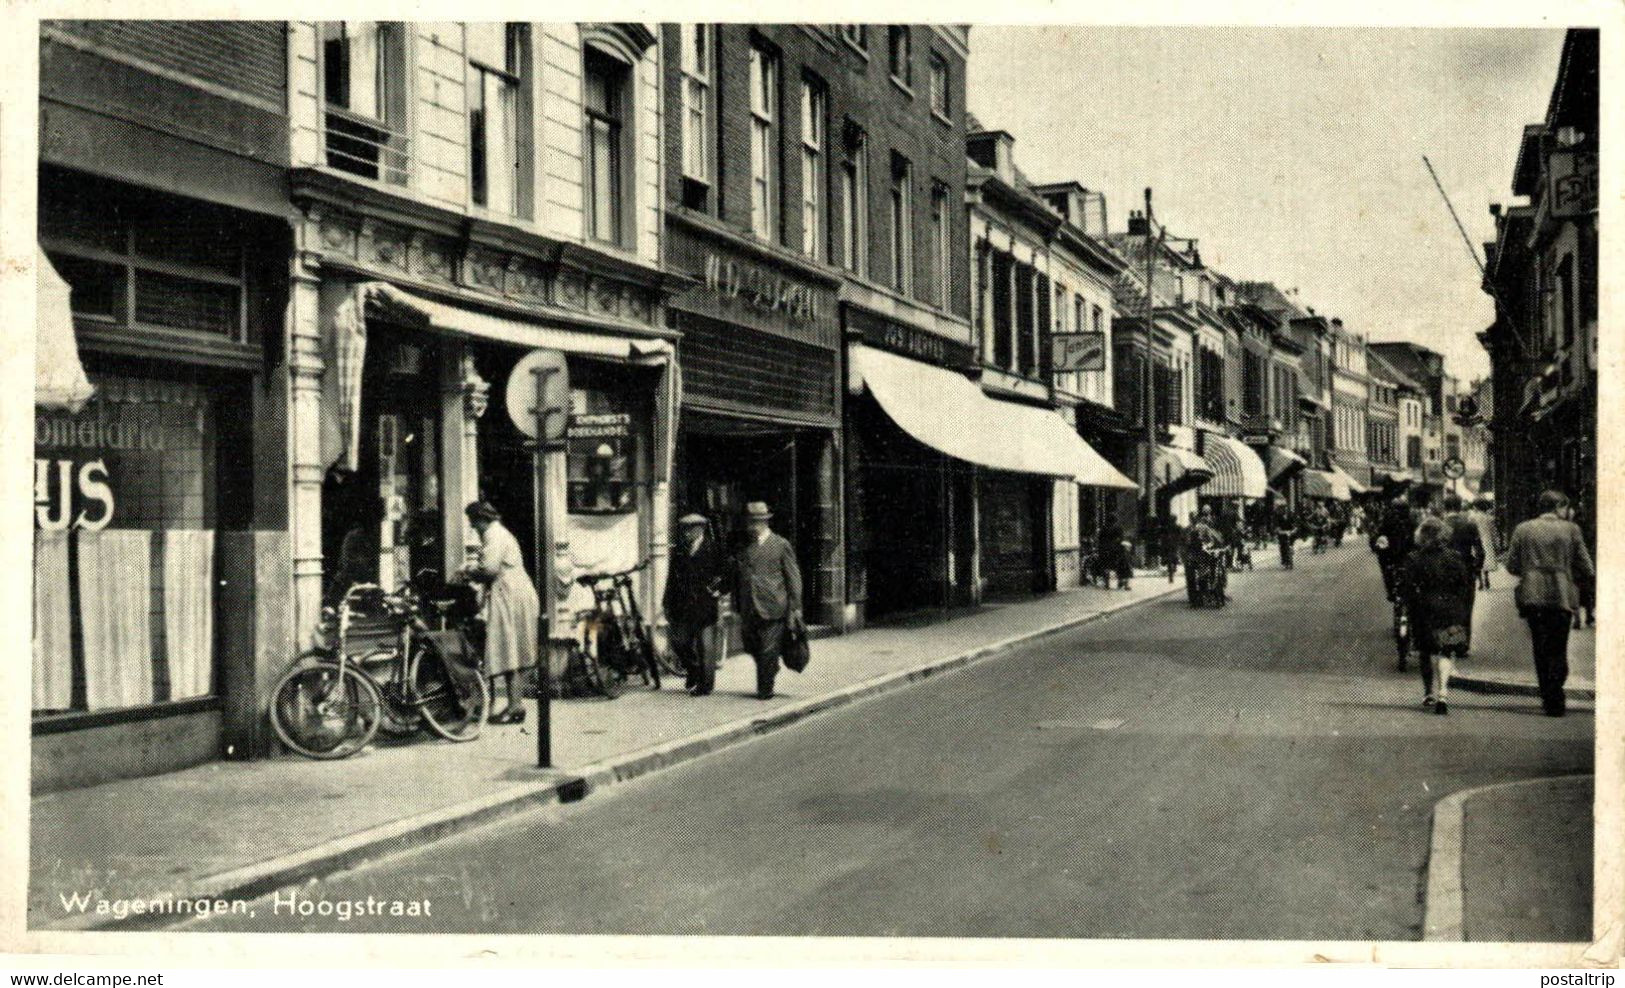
(417, 309)
(949, 413)
(1179, 470)
(1353, 485)
(1284, 462)
(1325, 484)
(59, 377)
(1237, 470)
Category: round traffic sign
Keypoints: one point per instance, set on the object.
(539, 386)
(1454, 468)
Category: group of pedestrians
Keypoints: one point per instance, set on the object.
(1434, 562)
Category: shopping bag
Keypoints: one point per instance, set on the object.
(797, 651)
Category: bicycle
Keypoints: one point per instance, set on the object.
(620, 644)
(330, 704)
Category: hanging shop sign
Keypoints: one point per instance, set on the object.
(1078, 351)
(1573, 183)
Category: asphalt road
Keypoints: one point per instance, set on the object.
(1257, 772)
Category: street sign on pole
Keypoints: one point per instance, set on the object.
(1454, 468)
(538, 402)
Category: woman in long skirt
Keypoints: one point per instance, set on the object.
(1439, 588)
(511, 609)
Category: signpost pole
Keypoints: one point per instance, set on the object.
(543, 555)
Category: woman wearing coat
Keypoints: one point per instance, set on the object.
(1439, 593)
(511, 608)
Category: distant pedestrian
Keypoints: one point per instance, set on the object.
(1438, 586)
(1547, 553)
(693, 585)
(1116, 556)
(511, 609)
(1586, 613)
(769, 594)
(1392, 539)
(1481, 516)
(1464, 535)
(1286, 533)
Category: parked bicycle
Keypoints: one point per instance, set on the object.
(616, 642)
(380, 666)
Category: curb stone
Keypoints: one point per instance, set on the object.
(556, 787)
(1511, 687)
(1442, 908)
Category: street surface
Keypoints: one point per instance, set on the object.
(1255, 772)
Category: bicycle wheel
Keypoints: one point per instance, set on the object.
(322, 710)
(446, 711)
(399, 718)
(599, 675)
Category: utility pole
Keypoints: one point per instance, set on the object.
(1148, 376)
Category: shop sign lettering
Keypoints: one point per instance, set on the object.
(1574, 183)
(759, 288)
(74, 432)
(68, 493)
(606, 426)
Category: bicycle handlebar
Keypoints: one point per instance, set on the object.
(588, 579)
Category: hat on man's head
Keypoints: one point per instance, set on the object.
(482, 511)
(692, 518)
(757, 511)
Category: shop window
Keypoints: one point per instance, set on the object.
(128, 496)
(764, 143)
(606, 80)
(162, 268)
(498, 132)
(364, 81)
(602, 452)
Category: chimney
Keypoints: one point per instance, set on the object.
(994, 150)
(1136, 223)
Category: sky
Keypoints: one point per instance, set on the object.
(1293, 155)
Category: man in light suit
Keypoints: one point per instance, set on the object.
(1547, 554)
(768, 595)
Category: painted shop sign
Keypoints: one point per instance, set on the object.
(739, 281)
(1573, 182)
(605, 426)
(910, 341)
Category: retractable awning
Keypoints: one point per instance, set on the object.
(392, 301)
(949, 413)
(1325, 484)
(1179, 470)
(1237, 470)
(1353, 485)
(1283, 462)
(59, 377)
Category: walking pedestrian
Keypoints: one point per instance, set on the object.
(1286, 533)
(693, 585)
(1547, 553)
(1481, 516)
(1464, 536)
(1438, 588)
(769, 594)
(1586, 612)
(511, 609)
(1116, 558)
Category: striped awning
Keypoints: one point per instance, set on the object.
(1237, 470)
(1325, 484)
(1283, 461)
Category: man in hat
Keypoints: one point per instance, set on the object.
(693, 584)
(768, 594)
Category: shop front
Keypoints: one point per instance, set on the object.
(148, 516)
(760, 417)
(953, 487)
(1239, 482)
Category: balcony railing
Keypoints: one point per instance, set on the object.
(365, 147)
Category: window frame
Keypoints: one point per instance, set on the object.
(697, 81)
(516, 44)
(814, 166)
(857, 36)
(387, 131)
(900, 215)
(618, 91)
(900, 54)
(942, 108)
(942, 239)
(766, 136)
(854, 193)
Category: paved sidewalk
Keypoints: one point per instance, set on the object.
(1501, 661)
(1513, 863)
(229, 828)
